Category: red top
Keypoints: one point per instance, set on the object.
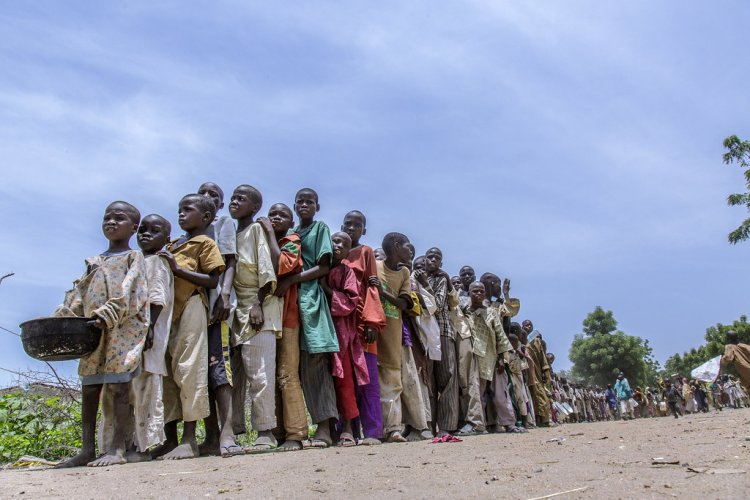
(361, 260)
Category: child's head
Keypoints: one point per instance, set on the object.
(477, 294)
(732, 337)
(419, 263)
(527, 325)
(153, 233)
(355, 225)
(491, 284)
(434, 260)
(513, 339)
(396, 247)
(245, 202)
(120, 221)
(456, 282)
(467, 276)
(213, 191)
(306, 205)
(550, 358)
(342, 244)
(195, 212)
(281, 218)
(379, 254)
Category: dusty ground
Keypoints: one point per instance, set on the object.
(713, 455)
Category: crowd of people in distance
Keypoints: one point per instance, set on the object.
(249, 322)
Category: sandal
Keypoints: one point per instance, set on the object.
(346, 440)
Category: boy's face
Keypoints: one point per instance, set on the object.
(467, 276)
(403, 251)
(117, 224)
(379, 254)
(354, 226)
(433, 261)
(419, 264)
(242, 204)
(152, 234)
(281, 218)
(456, 282)
(212, 191)
(477, 294)
(190, 216)
(342, 244)
(306, 205)
(527, 326)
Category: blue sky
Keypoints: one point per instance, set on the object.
(574, 147)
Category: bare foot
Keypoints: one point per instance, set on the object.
(210, 449)
(183, 451)
(442, 433)
(290, 445)
(79, 460)
(134, 457)
(163, 449)
(115, 458)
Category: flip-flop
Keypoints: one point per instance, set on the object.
(370, 442)
(314, 443)
(259, 448)
(231, 451)
(346, 440)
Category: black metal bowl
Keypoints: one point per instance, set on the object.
(59, 338)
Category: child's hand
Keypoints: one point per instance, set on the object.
(221, 310)
(98, 323)
(421, 276)
(370, 334)
(265, 223)
(283, 285)
(506, 287)
(170, 259)
(324, 285)
(500, 366)
(149, 339)
(375, 281)
(256, 316)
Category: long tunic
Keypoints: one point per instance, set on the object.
(361, 260)
(739, 354)
(254, 271)
(318, 334)
(113, 289)
(490, 341)
(391, 338)
(344, 298)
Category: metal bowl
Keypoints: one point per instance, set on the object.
(59, 338)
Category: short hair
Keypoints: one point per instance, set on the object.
(204, 203)
(515, 327)
(284, 207)
(477, 284)
(218, 188)
(342, 234)
(133, 213)
(165, 222)
(732, 337)
(467, 267)
(391, 239)
(489, 277)
(435, 250)
(351, 212)
(308, 190)
(254, 193)
(512, 337)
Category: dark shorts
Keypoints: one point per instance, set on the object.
(219, 372)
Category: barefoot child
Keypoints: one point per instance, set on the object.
(370, 322)
(257, 319)
(196, 263)
(399, 383)
(114, 292)
(219, 436)
(318, 339)
(286, 255)
(349, 366)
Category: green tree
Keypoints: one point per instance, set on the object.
(601, 352)
(738, 151)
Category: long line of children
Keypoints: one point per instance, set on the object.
(255, 313)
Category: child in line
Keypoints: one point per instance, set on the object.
(196, 263)
(349, 366)
(370, 320)
(257, 319)
(400, 393)
(318, 339)
(219, 435)
(516, 365)
(146, 420)
(286, 255)
(114, 292)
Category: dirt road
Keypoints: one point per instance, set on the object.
(598, 460)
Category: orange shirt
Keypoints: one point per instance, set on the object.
(290, 262)
(361, 260)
